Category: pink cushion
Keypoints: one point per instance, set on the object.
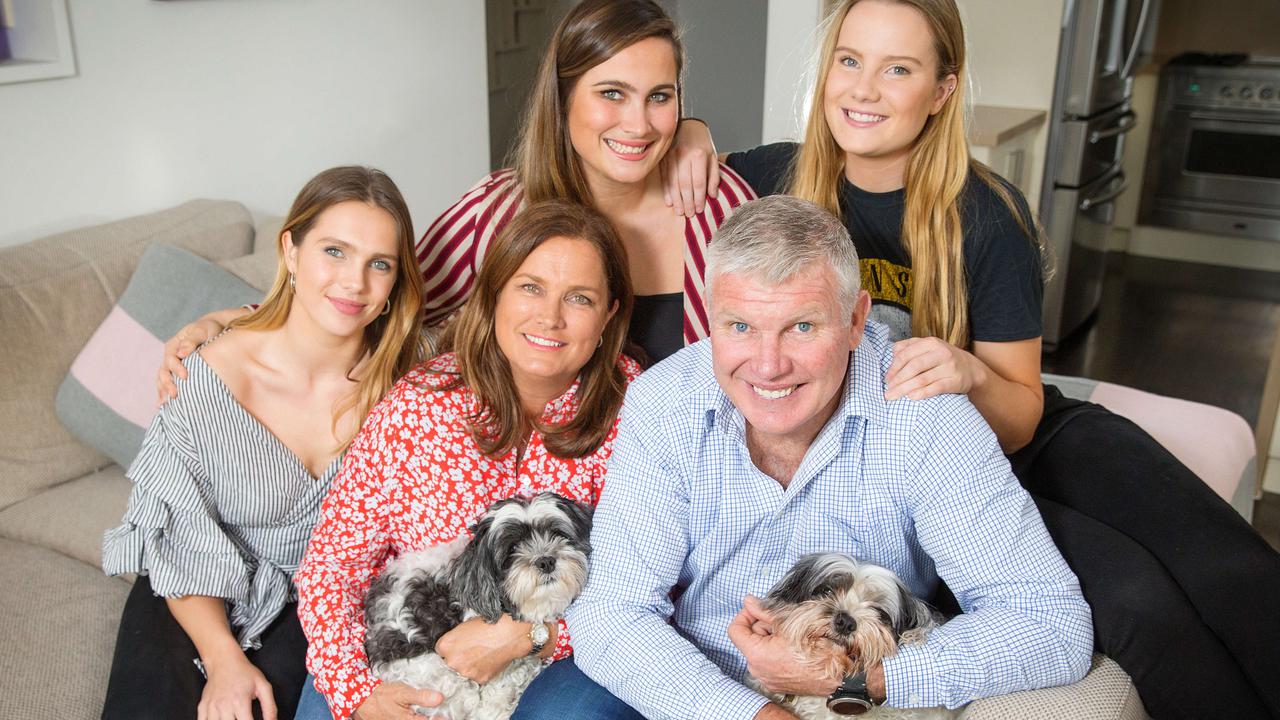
(1216, 444)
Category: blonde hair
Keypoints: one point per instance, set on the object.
(499, 424)
(390, 342)
(937, 169)
(591, 33)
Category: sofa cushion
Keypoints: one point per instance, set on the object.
(71, 517)
(108, 398)
(58, 618)
(53, 293)
(1215, 444)
(1105, 693)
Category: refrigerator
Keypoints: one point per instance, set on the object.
(1084, 173)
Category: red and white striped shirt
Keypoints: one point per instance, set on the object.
(453, 247)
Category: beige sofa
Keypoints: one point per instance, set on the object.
(58, 612)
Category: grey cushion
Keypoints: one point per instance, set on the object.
(71, 517)
(58, 618)
(108, 398)
(53, 293)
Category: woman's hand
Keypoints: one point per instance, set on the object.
(690, 169)
(925, 367)
(395, 701)
(183, 344)
(772, 660)
(479, 651)
(233, 684)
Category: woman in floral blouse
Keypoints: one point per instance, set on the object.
(524, 400)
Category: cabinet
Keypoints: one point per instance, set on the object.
(39, 42)
(1003, 138)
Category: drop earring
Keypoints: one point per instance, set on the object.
(386, 309)
(293, 285)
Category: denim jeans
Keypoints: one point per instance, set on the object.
(561, 692)
(311, 704)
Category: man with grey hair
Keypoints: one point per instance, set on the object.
(772, 440)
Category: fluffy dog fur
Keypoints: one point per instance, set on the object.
(847, 616)
(527, 559)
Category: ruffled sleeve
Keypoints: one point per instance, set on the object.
(170, 531)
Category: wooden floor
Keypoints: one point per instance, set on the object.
(1197, 332)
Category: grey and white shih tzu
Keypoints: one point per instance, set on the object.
(846, 616)
(525, 558)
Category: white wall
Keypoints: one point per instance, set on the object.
(244, 100)
(788, 53)
(725, 43)
(1013, 60)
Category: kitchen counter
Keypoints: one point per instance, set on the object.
(993, 125)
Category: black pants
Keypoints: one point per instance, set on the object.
(1185, 594)
(153, 674)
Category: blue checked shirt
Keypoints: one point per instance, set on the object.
(920, 487)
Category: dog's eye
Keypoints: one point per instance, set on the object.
(885, 619)
(824, 590)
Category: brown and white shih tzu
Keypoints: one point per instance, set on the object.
(526, 558)
(847, 616)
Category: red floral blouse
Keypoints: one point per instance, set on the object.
(414, 478)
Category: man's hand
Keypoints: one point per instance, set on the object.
(395, 701)
(772, 660)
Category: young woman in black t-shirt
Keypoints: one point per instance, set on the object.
(1184, 592)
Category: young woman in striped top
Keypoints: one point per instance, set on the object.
(230, 477)
(601, 118)
(599, 125)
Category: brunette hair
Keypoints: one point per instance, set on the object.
(591, 33)
(391, 344)
(499, 424)
(937, 170)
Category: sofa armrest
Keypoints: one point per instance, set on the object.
(1105, 693)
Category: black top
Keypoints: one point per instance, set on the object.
(1002, 264)
(657, 325)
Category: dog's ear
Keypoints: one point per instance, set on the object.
(797, 585)
(394, 638)
(915, 613)
(579, 517)
(476, 574)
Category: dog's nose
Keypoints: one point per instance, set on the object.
(844, 623)
(545, 563)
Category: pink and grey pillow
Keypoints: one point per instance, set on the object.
(109, 397)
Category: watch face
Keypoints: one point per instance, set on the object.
(539, 634)
(848, 705)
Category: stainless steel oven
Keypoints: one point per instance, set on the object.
(1214, 159)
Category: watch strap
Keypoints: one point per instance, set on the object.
(852, 697)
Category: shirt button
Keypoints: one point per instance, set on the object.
(914, 698)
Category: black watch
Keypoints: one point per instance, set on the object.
(851, 698)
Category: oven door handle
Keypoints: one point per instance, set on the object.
(1127, 121)
(1094, 201)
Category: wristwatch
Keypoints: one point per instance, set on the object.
(538, 635)
(851, 698)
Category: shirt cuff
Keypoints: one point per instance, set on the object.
(343, 705)
(728, 699)
(911, 678)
